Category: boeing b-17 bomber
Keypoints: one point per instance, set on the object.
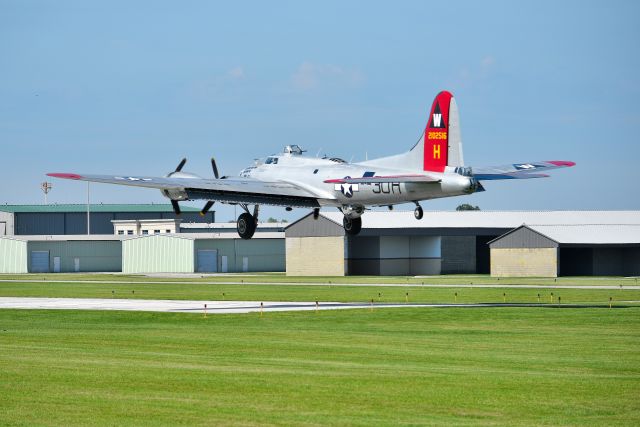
(432, 168)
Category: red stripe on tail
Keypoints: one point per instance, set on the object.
(436, 135)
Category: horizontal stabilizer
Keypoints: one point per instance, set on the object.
(497, 176)
(519, 170)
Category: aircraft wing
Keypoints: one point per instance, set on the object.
(519, 170)
(383, 179)
(230, 190)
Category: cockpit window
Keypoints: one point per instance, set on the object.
(271, 161)
(337, 160)
(293, 150)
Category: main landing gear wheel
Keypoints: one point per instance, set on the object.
(418, 213)
(246, 225)
(352, 226)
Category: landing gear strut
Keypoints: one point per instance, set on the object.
(247, 223)
(352, 226)
(352, 221)
(418, 213)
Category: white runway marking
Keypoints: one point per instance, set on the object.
(223, 307)
(182, 306)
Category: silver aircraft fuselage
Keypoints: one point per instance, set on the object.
(311, 174)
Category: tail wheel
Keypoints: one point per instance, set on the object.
(418, 213)
(352, 226)
(246, 225)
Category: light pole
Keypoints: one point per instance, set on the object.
(46, 187)
(88, 217)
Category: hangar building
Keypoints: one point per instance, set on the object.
(395, 243)
(569, 250)
(390, 243)
(153, 253)
(203, 253)
(74, 253)
(133, 239)
(69, 219)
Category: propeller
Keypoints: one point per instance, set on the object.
(206, 207)
(174, 203)
(214, 167)
(176, 207)
(181, 165)
(210, 203)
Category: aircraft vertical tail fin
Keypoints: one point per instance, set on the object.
(442, 144)
(439, 146)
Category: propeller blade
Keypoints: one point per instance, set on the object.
(181, 165)
(214, 167)
(176, 207)
(206, 208)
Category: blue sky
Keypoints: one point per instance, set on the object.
(132, 87)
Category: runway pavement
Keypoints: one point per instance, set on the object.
(223, 307)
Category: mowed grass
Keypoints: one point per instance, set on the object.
(450, 279)
(338, 293)
(411, 366)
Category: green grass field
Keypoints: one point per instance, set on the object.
(411, 366)
(451, 279)
(506, 366)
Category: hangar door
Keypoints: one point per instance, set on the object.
(39, 261)
(207, 261)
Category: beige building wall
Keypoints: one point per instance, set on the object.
(315, 256)
(524, 262)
